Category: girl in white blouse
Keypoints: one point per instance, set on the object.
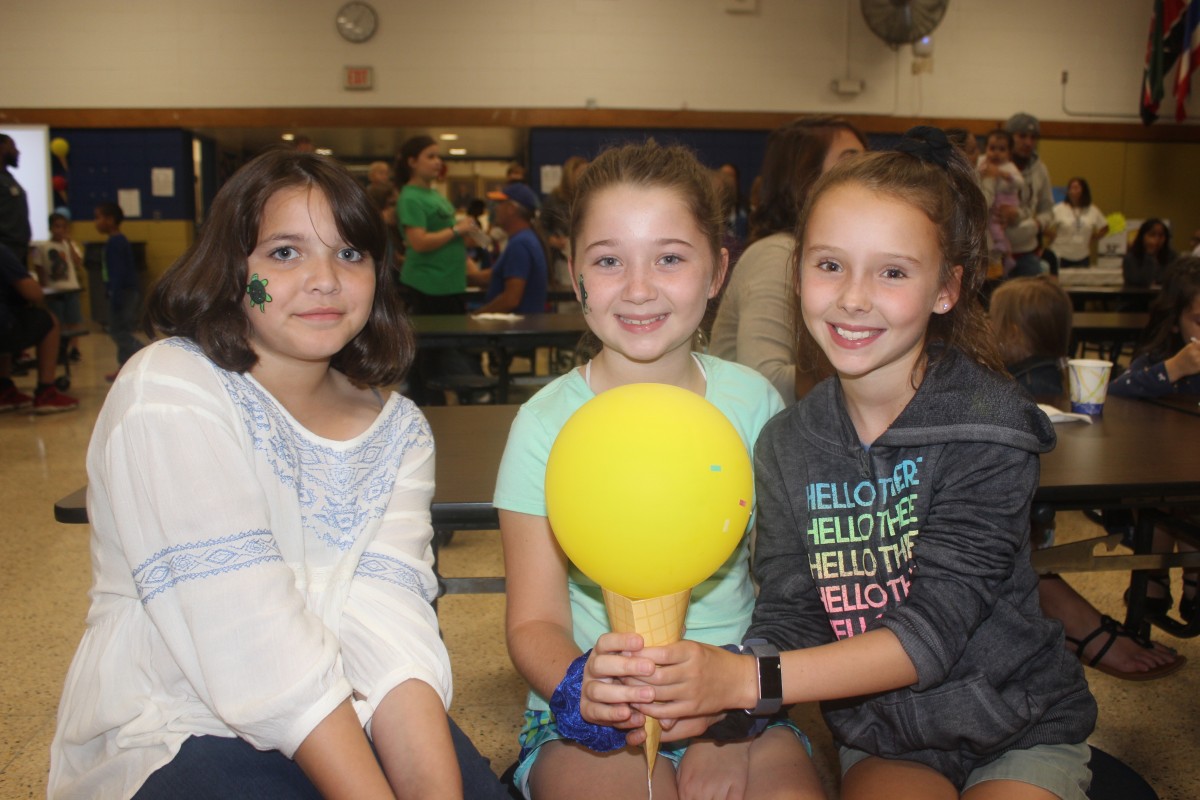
(261, 612)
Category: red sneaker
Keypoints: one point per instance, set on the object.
(51, 401)
(13, 398)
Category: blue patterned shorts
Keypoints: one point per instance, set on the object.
(538, 728)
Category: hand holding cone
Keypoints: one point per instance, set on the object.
(659, 621)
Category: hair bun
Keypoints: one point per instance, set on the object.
(927, 144)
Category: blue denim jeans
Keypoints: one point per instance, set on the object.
(219, 768)
(123, 307)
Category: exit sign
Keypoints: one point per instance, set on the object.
(358, 78)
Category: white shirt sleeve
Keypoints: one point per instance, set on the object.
(389, 631)
(175, 497)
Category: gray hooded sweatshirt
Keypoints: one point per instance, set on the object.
(925, 533)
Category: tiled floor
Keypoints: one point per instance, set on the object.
(44, 578)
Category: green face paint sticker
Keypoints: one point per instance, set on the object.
(583, 296)
(257, 289)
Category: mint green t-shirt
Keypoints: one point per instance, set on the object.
(721, 606)
(444, 270)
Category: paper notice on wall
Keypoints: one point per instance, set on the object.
(162, 182)
(130, 201)
(551, 175)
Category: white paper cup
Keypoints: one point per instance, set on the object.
(1088, 378)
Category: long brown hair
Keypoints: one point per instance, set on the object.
(942, 186)
(202, 296)
(1031, 318)
(794, 160)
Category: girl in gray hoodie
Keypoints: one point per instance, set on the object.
(893, 529)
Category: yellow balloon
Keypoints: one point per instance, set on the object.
(648, 489)
(59, 147)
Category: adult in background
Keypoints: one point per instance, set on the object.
(379, 174)
(517, 283)
(15, 232)
(1078, 223)
(24, 322)
(754, 321)
(1025, 222)
(435, 261)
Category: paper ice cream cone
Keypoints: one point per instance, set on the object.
(659, 621)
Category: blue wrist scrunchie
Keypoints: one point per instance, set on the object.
(570, 722)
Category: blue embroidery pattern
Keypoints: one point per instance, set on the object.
(392, 570)
(339, 491)
(195, 560)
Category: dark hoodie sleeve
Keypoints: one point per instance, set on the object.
(965, 553)
(788, 612)
(1143, 379)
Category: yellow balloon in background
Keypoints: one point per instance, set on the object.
(59, 147)
(648, 489)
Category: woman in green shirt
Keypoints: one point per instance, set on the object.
(435, 265)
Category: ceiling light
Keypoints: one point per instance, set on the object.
(458, 151)
(287, 137)
(323, 151)
(449, 137)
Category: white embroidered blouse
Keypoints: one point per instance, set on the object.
(248, 575)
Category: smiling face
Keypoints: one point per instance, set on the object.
(645, 272)
(870, 277)
(321, 288)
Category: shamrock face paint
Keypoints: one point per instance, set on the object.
(257, 289)
(583, 296)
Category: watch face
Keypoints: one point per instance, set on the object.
(357, 21)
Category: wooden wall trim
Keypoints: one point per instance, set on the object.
(544, 118)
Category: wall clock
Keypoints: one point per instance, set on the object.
(357, 21)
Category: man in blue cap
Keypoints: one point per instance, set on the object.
(517, 282)
(1025, 224)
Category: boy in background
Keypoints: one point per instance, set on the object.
(120, 277)
(59, 267)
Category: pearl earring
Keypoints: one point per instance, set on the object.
(945, 306)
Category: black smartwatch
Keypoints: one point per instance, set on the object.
(770, 677)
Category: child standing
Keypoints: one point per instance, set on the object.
(893, 533)
(645, 259)
(1002, 183)
(121, 281)
(260, 526)
(59, 267)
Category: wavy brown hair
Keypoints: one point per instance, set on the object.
(202, 296)
(951, 199)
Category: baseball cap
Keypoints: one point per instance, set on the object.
(1023, 123)
(517, 192)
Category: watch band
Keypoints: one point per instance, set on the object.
(770, 677)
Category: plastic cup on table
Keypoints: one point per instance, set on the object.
(1088, 380)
